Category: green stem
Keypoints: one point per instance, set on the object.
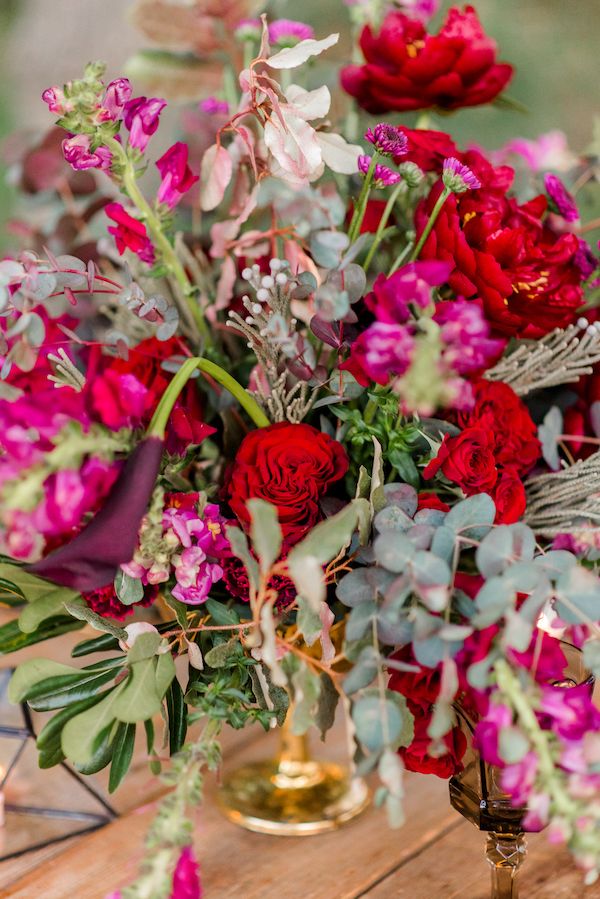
(169, 398)
(432, 220)
(361, 203)
(400, 259)
(159, 239)
(383, 222)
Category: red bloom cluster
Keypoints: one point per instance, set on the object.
(290, 466)
(526, 274)
(497, 446)
(235, 579)
(421, 689)
(406, 68)
(106, 603)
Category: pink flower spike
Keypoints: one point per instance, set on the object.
(186, 878)
(55, 100)
(458, 177)
(177, 177)
(118, 93)
(288, 33)
(80, 157)
(562, 201)
(141, 117)
(388, 140)
(382, 176)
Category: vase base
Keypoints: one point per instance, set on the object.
(293, 798)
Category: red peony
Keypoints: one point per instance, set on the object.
(507, 254)
(429, 500)
(468, 460)
(290, 466)
(509, 497)
(406, 68)
(428, 149)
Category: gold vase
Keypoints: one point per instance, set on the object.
(292, 794)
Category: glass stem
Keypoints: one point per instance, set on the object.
(505, 853)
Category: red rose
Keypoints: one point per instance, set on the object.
(467, 460)
(406, 68)
(428, 500)
(501, 412)
(509, 497)
(416, 756)
(290, 466)
(525, 273)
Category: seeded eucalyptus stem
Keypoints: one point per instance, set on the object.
(169, 398)
(160, 240)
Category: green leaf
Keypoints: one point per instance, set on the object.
(129, 589)
(122, 753)
(138, 699)
(265, 533)
(50, 734)
(218, 656)
(101, 755)
(79, 609)
(472, 517)
(220, 613)
(308, 621)
(31, 672)
(327, 705)
(105, 643)
(12, 637)
(402, 462)
(309, 580)
(377, 495)
(52, 694)
(239, 547)
(47, 607)
(360, 620)
(165, 672)
(10, 588)
(329, 537)
(363, 671)
(371, 711)
(80, 733)
(145, 646)
(504, 545)
(177, 717)
(33, 588)
(307, 688)
(180, 610)
(578, 596)
(363, 585)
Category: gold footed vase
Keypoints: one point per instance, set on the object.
(292, 794)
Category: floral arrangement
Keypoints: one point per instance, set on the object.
(317, 407)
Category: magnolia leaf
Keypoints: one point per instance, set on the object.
(215, 175)
(291, 57)
(164, 673)
(33, 588)
(239, 547)
(49, 606)
(337, 153)
(265, 533)
(145, 646)
(12, 638)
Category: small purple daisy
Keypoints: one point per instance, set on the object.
(458, 177)
(388, 140)
(382, 175)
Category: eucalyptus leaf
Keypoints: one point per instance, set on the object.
(128, 589)
(504, 545)
(382, 722)
(472, 517)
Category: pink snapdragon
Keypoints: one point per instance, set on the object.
(141, 116)
(214, 106)
(78, 153)
(55, 100)
(518, 779)
(177, 177)
(561, 199)
(192, 544)
(118, 93)
(381, 352)
(465, 334)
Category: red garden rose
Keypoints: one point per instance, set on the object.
(468, 460)
(406, 68)
(509, 497)
(507, 254)
(428, 149)
(290, 466)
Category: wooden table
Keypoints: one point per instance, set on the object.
(436, 855)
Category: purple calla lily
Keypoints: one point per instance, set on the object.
(92, 559)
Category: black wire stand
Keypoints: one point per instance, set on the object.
(88, 821)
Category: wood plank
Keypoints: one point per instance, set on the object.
(454, 867)
(365, 850)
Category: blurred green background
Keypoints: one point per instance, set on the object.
(553, 45)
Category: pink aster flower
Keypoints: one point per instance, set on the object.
(288, 33)
(177, 177)
(129, 233)
(388, 140)
(118, 93)
(561, 199)
(78, 153)
(248, 29)
(382, 175)
(141, 117)
(458, 177)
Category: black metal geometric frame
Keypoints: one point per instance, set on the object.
(89, 821)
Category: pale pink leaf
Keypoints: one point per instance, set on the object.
(337, 154)
(216, 172)
(298, 55)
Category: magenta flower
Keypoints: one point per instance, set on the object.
(518, 779)
(382, 175)
(382, 352)
(465, 334)
(458, 177)
(55, 100)
(214, 106)
(585, 260)
(571, 712)
(563, 202)
(80, 157)
(141, 117)
(388, 140)
(488, 729)
(195, 575)
(129, 233)
(391, 298)
(538, 809)
(177, 177)
(423, 10)
(118, 93)
(186, 877)
(287, 32)
(248, 29)
(118, 400)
